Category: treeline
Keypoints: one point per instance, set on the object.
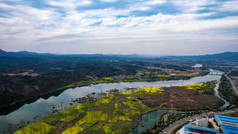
(234, 73)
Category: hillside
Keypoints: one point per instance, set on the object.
(223, 56)
(220, 56)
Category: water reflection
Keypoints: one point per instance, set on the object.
(150, 120)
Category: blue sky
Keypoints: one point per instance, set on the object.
(162, 27)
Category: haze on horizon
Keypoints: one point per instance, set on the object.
(155, 27)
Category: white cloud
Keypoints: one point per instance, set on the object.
(155, 2)
(69, 5)
(108, 0)
(10, 0)
(29, 25)
(190, 6)
(45, 23)
(229, 6)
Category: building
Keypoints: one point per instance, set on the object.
(202, 122)
(196, 130)
(166, 117)
(229, 125)
(229, 130)
(226, 120)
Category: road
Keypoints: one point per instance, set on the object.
(214, 124)
(232, 83)
(178, 122)
(168, 129)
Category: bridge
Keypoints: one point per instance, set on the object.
(215, 73)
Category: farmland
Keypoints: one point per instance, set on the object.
(119, 113)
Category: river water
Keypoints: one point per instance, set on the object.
(29, 113)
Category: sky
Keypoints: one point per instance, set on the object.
(154, 27)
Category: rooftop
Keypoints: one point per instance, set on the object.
(227, 119)
(200, 130)
(230, 130)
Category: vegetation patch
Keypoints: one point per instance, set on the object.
(226, 91)
(202, 88)
(36, 128)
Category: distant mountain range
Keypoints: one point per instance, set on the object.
(221, 56)
(226, 55)
(21, 54)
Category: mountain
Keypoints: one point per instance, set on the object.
(226, 55)
(12, 54)
(220, 56)
(3, 53)
(28, 53)
(22, 54)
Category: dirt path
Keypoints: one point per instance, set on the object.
(165, 103)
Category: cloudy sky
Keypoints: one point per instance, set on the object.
(162, 27)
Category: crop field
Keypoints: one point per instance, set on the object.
(114, 113)
(202, 88)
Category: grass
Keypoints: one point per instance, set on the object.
(69, 86)
(108, 78)
(165, 76)
(140, 73)
(36, 128)
(143, 91)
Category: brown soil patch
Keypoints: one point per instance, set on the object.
(23, 74)
(178, 73)
(62, 126)
(187, 74)
(233, 114)
(185, 99)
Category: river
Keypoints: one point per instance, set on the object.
(29, 113)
